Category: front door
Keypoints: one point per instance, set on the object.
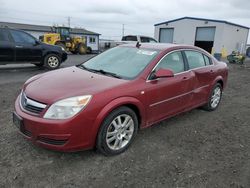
(168, 96)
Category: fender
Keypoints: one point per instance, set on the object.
(113, 105)
(218, 78)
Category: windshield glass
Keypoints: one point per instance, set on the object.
(124, 62)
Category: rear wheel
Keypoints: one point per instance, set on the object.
(81, 49)
(89, 50)
(52, 61)
(117, 131)
(214, 99)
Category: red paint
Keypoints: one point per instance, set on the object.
(155, 100)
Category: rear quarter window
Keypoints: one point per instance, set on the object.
(207, 60)
(195, 59)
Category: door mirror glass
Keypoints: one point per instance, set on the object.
(163, 73)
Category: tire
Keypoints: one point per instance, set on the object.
(81, 49)
(214, 98)
(74, 52)
(89, 50)
(52, 61)
(120, 135)
(62, 45)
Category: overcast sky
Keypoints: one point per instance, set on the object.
(107, 16)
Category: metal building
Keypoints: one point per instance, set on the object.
(214, 36)
(92, 38)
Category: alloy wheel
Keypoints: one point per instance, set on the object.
(216, 96)
(120, 132)
(53, 61)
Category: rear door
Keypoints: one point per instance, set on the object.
(203, 69)
(26, 47)
(7, 51)
(168, 96)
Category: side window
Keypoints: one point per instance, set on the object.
(21, 37)
(129, 38)
(152, 40)
(207, 60)
(195, 59)
(173, 61)
(144, 39)
(4, 35)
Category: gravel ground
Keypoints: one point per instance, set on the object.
(195, 149)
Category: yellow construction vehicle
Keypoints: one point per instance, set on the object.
(61, 36)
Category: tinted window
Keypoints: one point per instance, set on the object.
(129, 38)
(147, 39)
(195, 59)
(4, 35)
(207, 60)
(21, 37)
(173, 61)
(122, 61)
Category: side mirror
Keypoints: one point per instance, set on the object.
(163, 73)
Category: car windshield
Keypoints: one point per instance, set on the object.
(123, 62)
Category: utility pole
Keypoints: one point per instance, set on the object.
(123, 30)
(69, 21)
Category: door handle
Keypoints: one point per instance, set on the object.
(19, 46)
(185, 78)
(211, 71)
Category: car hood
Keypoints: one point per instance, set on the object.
(68, 82)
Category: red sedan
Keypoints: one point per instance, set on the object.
(103, 102)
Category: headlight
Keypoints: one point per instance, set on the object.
(62, 48)
(67, 108)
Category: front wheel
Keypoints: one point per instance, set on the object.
(117, 131)
(215, 98)
(52, 61)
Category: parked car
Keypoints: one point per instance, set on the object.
(103, 102)
(17, 46)
(139, 38)
(128, 39)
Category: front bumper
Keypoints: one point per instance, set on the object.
(62, 135)
(64, 56)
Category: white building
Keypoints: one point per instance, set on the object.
(215, 36)
(92, 38)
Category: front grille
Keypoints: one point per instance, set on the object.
(51, 141)
(31, 105)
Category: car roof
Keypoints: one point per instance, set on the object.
(160, 46)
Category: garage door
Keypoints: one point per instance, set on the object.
(166, 35)
(205, 33)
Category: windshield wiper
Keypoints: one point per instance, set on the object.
(108, 73)
(99, 71)
(85, 68)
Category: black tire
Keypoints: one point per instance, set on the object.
(81, 49)
(74, 52)
(50, 64)
(209, 106)
(102, 144)
(89, 50)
